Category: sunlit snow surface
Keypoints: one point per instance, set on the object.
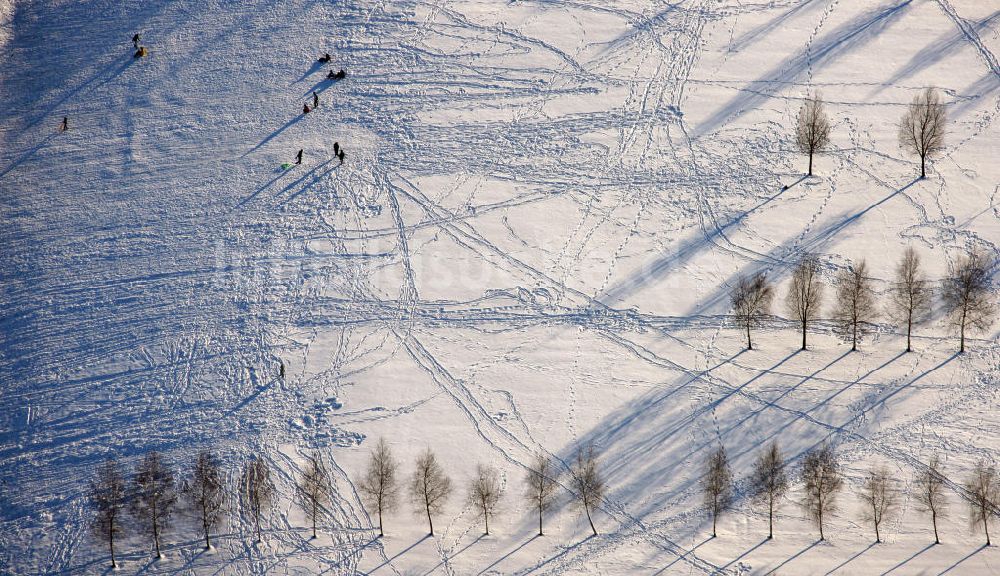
(527, 249)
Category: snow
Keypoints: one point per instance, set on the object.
(527, 249)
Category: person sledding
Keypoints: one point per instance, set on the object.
(325, 58)
(336, 75)
(306, 109)
(341, 156)
(141, 52)
(336, 148)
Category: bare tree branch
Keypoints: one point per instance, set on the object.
(812, 130)
(911, 295)
(821, 475)
(967, 296)
(921, 130)
(805, 294)
(717, 485)
(751, 301)
(484, 493)
(770, 481)
(588, 482)
(855, 302)
(879, 496)
(378, 486)
(429, 486)
(540, 484)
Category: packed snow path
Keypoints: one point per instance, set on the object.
(528, 248)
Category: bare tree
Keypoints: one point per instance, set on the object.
(879, 496)
(484, 493)
(588, 482)
(378, 486)
(205, 493)
(256, 490)
(805, 294)
(751, 300)
(911, 296)
(855, 302)
(966, 294)
(718, 485)
(930, 493)
(812, 131)
(769, 482)
(921, 130)
(108, 497)
(314, 490)
(821, 475)
(541, 486)
(430, 487)
(984, 495)
(153, 496)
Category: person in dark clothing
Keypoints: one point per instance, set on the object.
(282, 370)
(325, 58)
(65, 124)
(306, 109)
(340, 75)
(341, 155)
(336, 148)
(135, 41)
(298, 157)
(315, 100)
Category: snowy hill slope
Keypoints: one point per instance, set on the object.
(527, 249)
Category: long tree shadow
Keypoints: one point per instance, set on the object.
(853, 34)
(28, 154)
(400, 553)
(904, 562)
(448, 558)
(743, 555)
(780, 259)
(851, 559)
(682, 556)
(751, 36)
(273, 135)
(793, 557)
(969, 555)
(509, 554)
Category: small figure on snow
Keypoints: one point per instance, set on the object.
(135, 41)
(325, 58)
(336, 148)
(282, 371)
(315, 100)
(298, 157)
(141, 52)
(336, 75)
(65, 124)
(341, 156)
(306, 109)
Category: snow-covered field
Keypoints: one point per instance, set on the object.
(527, 249)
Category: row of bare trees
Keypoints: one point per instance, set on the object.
(921, 129)
(822, 482)
(430, 488)
(151, 496)
(965, 296)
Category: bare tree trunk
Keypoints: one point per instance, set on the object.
(821, 524)
(715, 517)
(810, 163)
(909, 330)
(380, 532)
(749, 343)
(204, 524)
(854, 337)
(111, 543)
(934, 521)
(961, 335)
(314, 504)
(156, 532)
(878, 540)
(923, 171)
(540, 521)
(803, 334)
(486, 518)
(587, 508)
(770, 518)
(986, 526)
(430, 521)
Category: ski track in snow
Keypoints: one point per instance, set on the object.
(537, 197)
